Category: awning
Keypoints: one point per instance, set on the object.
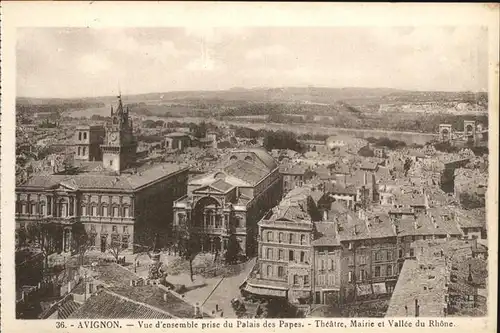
(363, 289)
(379, 288)
(263, 291)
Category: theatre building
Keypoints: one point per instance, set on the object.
(226, 204)
(115, 199)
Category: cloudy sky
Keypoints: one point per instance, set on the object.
(78, 62)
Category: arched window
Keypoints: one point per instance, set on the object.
(269, 254)
(126, 212)
(94, 210)
(249, 158)
(281, 271)
(233, 158)
(115, 211)
(104, 210)
(83, 210)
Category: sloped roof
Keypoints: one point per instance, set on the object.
(246, 171)
(92, 181)
(108, 305)
(263, 156)
(66, 309)
(221, 185)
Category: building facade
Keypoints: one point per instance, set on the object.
(113, 205)
(87, 143)
(226, 204)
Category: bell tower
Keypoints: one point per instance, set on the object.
(119, 148)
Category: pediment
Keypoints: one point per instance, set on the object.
(66, 186)
(208, 189)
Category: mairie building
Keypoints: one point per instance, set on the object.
(107, 191)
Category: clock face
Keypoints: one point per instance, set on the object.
(113, 137)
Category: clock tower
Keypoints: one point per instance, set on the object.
(119, 148)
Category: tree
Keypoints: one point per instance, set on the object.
(187, 243)
(81, 241)
(407, 166)
(233, 250)
(115, 248)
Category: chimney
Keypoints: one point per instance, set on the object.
(417, 308)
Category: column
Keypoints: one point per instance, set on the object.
(70, 240)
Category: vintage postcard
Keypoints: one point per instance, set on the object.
(249, 166)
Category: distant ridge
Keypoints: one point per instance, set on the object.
(278, 94)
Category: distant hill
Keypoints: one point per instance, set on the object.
(295, 95)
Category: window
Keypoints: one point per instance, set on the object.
(389, 270)
(280, 254)
(92, 227)
(83, 210)
(115, 211)
(389, 255)
(280, 237)
(79, 136)
(79, 150)
(322, 265)
(43, 209)
(295, 279)
(280, 271)
(94, 210)
(84, 135)
(379, 256)
(390, 288)
(269, 236)
(350, 261)
(110, 162)
(302, 239)
(349, 246)
(412, 252)
(470, 298)
(377, 271)
(104, 211)
(400, 253)
(349, 276)
(269, 270)
(84, 151)
(302, 256)
(114, 228)
(290, 255)
(125, 230)
(291, 238)
(330, 264)
(306, 280)
(362, 260)
(33, 208)
(269, 254)
(361, 275)
(126, 212)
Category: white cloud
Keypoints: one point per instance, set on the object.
(265, 52)
(94, 64)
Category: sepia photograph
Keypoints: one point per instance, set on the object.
(251, 172)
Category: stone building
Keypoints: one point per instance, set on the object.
(114, 204)
(177, 140)
(87, 143)
(227, 203)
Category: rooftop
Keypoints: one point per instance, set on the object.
(113, 182)
(246, 171)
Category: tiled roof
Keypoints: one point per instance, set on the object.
(113, 275)
(246, 171)
(423, 281)
(108, 305)
(154, 296)
(264, 157)
(66, 309)
(92, 181)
